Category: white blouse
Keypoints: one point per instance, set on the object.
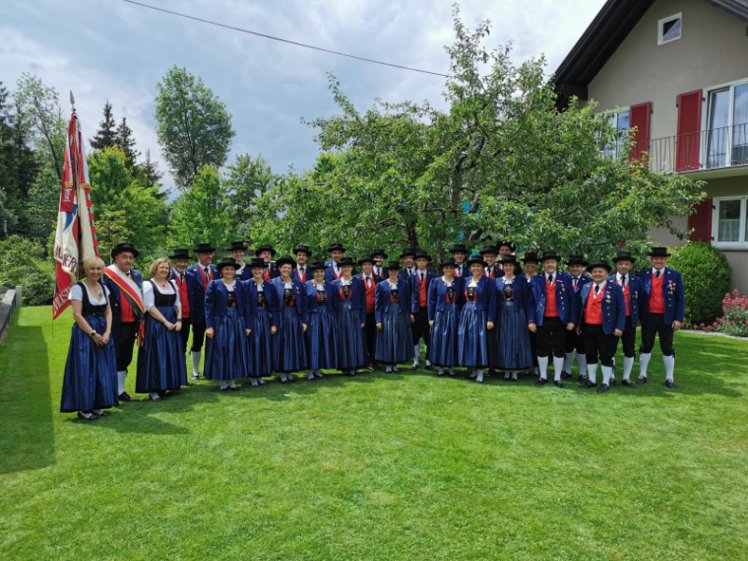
(76, 293)
(149, 297)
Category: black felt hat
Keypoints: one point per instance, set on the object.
(599, 263)
(317, 265)
(509, 259)
(303, 249)
(550, 255)
(285, 260)
(577, 260)
(123, 247)
(257, 262)
(236, 246)
(336, 246)
(204, 248)
(489, 249)
(423, 255)
(394, 266)
(476, 259)
(507, 243)
(265, 247)
(347, 261)
(449, 262)
(380, 252)
(623, 256)
(659, 252)
(530, 257)
(458, 248)
(180, 253)
(408, 251)
(227, 262)
(366, 259)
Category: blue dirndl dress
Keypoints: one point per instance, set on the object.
(260, 340)
(227, 353)
(322, 329)
(472, 334)
(443, 348)
(289, 344)
(161, 363)
(352, 349)
(514, 338)
(395, 339)
(90, 380)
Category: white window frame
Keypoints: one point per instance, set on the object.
(706, 96)
(615, 151)
(661, 28)
(741, 244)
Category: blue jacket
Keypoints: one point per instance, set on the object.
(635, 296)
(277, 287)
(613, 305)
(438, 296)
(308, 274)
(246, 273)
(383, 295)
(497, 271)
(330, 272)
(270, 297)
(415, 286)
(358, 296)
(311, 306)
(196, 292)
(523, 296)
(405, 274)
(672, 290)
(566, 305)
(485, 295)
(217, 299)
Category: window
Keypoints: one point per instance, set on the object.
(727, 126)
(619, 120)
(669, 29)
(730, 227)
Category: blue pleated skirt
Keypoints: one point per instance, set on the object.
(227, 353)
(161, 363)
(514, 338)
(90, 380)
(472, 337)
(322, 339)
(260, 345)
(351, 346)
(289, 344)
(443, 348)
(395, 339)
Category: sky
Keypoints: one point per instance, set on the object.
(110, 50)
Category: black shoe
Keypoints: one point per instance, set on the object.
(603, 388)
(627, 383)
(641, 380)
(220, 389)
(101, 413)
(565, 375)
(541, 381)
(88, 417)
(124, 396)
(587, 384)
(583, 378)
(669, 384)
(234, 389)
(558, 383)
(612, 382)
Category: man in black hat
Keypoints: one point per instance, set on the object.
(199, 275)
(419, 286)
(407, 258)
(631, 286)
(530, 261)
(238, 250)
(492, 270)
(379, 255)
(370, 282)
(302, 272)
(459, 254)
(180, 260)
(334, 272)
(505, 247)
(125, 286)
(662, 312)
(557, 314)
(266, 252)
(574, 343)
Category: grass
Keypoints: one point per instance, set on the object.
(377, 467)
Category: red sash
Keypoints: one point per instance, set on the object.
(133, 296)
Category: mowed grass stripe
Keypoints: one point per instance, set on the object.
(402, 466)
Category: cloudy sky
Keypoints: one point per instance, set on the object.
(112, 50)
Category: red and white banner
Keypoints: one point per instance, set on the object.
(75, 238)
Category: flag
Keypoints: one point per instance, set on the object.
(75, 238)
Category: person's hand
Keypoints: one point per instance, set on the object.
(178, 325)
(412, 318)
(210, 332)
(105, 337)
(304, 326)
(363, 325)
(273, 330)
(431, 323)
(170, 326)
(677, 325)
(618, 332)
(570, 326)
(579, 330)
(248, 332)
(533, 327)
(489, 325)
(379, 325)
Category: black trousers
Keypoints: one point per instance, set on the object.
(198, 336)
(655, 325)
(370, 335)
(184, 333)
(421, 328)
(628, 339)
(551, 338)
(124, 344)
(574, 342)
(598, 345)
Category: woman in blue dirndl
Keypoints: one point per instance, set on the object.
(161, 365)
(289, 343)
(476, 319)
(320, 310)
(90, 382)
(227, 319)
(516, 309)
(444, 307)
(262, 302)
(351, 293)
(393, 313)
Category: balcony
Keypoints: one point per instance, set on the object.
(721, 151)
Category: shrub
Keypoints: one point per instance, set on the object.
(23, 262)
(735, 318)
(706, 279)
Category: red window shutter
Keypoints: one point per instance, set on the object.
(687, 138)
(700, 222)
(639, 119)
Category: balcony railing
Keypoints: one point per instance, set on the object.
(704, 150)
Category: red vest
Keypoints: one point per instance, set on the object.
(593, 308)
(371, 292)
(422, 287)
(550, 298)
(126, 313)
(626, 294)
(656, 300)
(184, 296)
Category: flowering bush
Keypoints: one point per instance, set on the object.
(734, 320)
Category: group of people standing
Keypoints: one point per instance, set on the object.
(483, 312)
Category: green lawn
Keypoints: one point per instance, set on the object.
(378, 467)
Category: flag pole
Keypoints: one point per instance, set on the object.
(76, 184)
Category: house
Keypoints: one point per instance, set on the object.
(677, 70)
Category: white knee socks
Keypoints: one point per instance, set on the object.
(543, 367)
(196, 362)
(581, 363)
(669, 362)
(607, 373)
(568, 361)
(121, 375)
(558, 366)
(628, 366)
(644, 359)
(592, 372)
